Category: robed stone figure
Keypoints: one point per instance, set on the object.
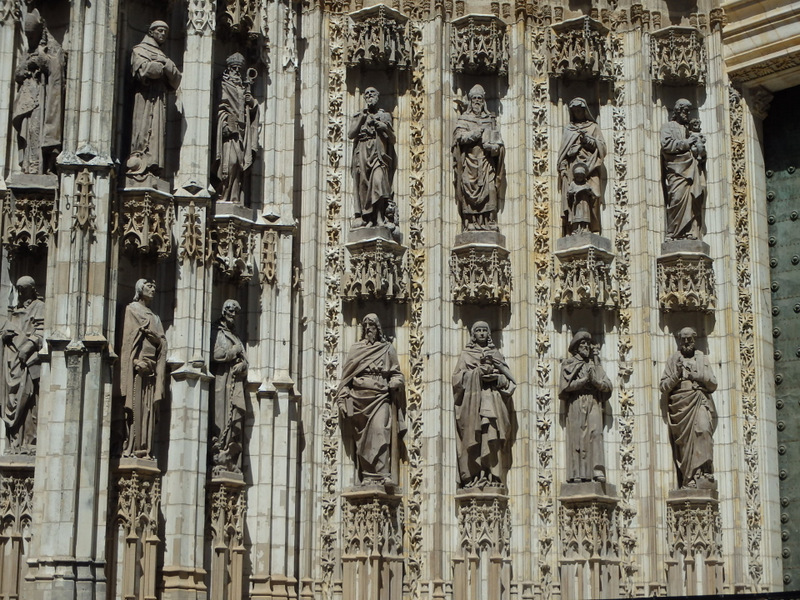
(371, 399)
(584, 388)
(237, 130)
(479, 164)
(23, 337)
(683, 158)
(482, 390)
(688, 383)
(39, 102)
(580, 159)
(229, 366)
(373, 161)
(154, 74)
(143, 367)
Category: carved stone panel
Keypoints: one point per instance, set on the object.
(578, 50)
(678, 56)
(227, 505)
(582, 273)
(686, 282)
(16, 512)
(29, 220)
(377, 39)
(147, 217)
(377, 268)
(480, 269)
(232, 247)
(479, 45)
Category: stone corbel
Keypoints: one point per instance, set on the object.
(583, 273)
(678, 56)
(686, 282)
(479, 45)
(377, 268)
(579, 50)
(480, 269)
(232, 247)
(377, 39)
(147, 217)
(29, 220)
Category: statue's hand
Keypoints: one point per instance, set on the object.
(589, 142)
(142, 367)
(8, 335)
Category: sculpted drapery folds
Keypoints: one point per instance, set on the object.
(23, 337)
(688, 383)
(479, 157)
(683, 156)
(229, 365)
(237, 130)
(39, 102)
(143, 367)
(579, 161)
(373, 162)
(153, 75)
(371, 398)
(482, 390)
(584, 388)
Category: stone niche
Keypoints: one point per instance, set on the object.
(146, 216)
(685, 277)
(479, 45)
(480, 269)
(29, 213)
(377, 269)
(589, 560)
(578, 49)
(582, 272)
(678, 56)
(377, 39)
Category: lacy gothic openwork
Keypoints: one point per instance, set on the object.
(232, 247)
(480, 275)
(227, 508)
(584, 281)
(479, 45)
(686, 283)
(377, 39)
(694, 531)
(376, 271)
(28, 222)
(678, 56)
(578, 50)
(147, 224)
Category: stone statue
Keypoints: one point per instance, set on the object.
(229, 366)
(373, 162)
(688, 382)
(153, 74)
(479, 157)
(237, 129)
(39, 102)
(482, 389)
(683, 155)
(584, 387)
(371, 398)
(23, 337)
(579, 161)
(143, 369)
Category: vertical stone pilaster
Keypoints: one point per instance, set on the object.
(9, 16)
(227, 504)
(16, 503)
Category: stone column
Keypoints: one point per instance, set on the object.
(9, 15)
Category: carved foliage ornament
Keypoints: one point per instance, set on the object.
(377, 39)
(695, 528)
(678, 56)
(269, 249)
(480, 275)
(228, 506)
(84, 217)
(138, 503)
(192, 238)
(479, 45)
(28, 222)
(578, 50)
(147, 225)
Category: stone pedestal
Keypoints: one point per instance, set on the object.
(583, 272)
(376, 268)
(589, 560)
(133, 541)
(482, 568)
(480, 269)
(686, 277)
(146, 218)
(372, 557)
(694, 566)
(16, 504)
(227, 504)
(29, 213)
(235, 239)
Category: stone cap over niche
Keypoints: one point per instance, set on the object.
(578, 50)
(479, 45)
(678, 56)
(376, 39)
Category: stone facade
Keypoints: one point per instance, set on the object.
(286, 455)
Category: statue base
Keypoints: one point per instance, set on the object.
(482, 567)
(694, 526)
(128, 464)
(372, 552)
(148, 180)
(685, 277)
(25, 181)
(583, 272)
(480, 269)
(146, 218)
(234, 237)
(234, 209)
(589, 563)
(377, 269)
(30, 214)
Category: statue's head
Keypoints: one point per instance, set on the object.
(33, 25)
(158, 31)
(371, 96)
(687, 337)
(581, 344)
(230, 308)
(580, 172)
(26, 287)
(234, 61)
(680, 112)
(145, 290)
(481, 333)
(579, 110)
(371, 328)
(477, 99)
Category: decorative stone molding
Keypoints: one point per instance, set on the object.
(483, 560)
(372, 545)
(269, 251)
(193, 242)
(589, 564)
(678, 56)
(147, 218)
(84, 218)
(479, 45)
(233, 247)
(202, 17)
(686, 283)
(377, 268)
(227, 505)
(694, 530)
(29, 221)
(480, 269)
(766, 68)
(583, 273)
(10, 11)
(578, 50)
(240, 16)
(717, 19)
(377, 39)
